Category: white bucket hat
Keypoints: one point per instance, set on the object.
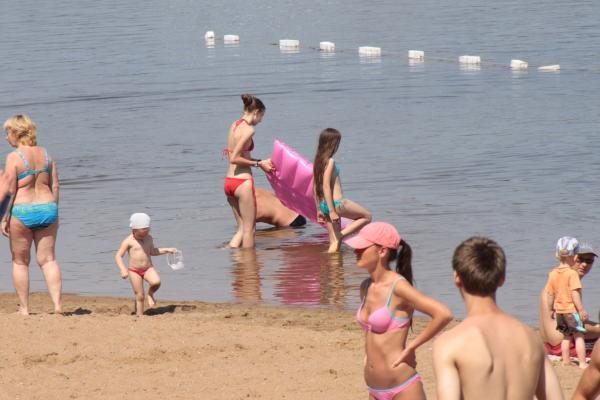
(139, 221)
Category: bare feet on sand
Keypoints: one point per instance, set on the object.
(151, 301)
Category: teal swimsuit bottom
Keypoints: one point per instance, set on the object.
(36, 216)
(325, 208)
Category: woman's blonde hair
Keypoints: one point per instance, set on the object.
(25, 129)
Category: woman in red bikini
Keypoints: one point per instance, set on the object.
(239, 184)
(388, 302)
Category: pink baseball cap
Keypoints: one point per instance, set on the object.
(380, 233)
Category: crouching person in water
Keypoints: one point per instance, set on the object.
(270, 210)
(489, 355)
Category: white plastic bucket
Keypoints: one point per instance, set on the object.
(231, 39)
(416, 54)
(369, 51)
(327, 46)
(289, 43)
(469, 60)
(555, 67)
(175, 260)
(518, 64)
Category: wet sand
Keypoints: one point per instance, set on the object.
(188, 350)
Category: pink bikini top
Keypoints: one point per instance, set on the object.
(382, 320)
(250, 148)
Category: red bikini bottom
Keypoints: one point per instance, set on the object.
(231, 185)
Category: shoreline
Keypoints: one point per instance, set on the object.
(190, 349)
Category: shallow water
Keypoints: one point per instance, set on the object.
(135, 108)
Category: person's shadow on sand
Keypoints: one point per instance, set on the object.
(78, 311)
(171, 308)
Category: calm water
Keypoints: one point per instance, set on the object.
(135, 109)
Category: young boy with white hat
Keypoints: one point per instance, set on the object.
(564, 296)
(140, 247)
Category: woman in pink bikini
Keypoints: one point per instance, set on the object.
(239, 184)
(388, 302)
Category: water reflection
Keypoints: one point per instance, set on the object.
(416, 65)
(470, 67)
(246, 265)
(309, 276)
(326, 54)
(289, 50)
(369, 59)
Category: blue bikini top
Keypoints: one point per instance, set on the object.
(28, 171)
(337, 168)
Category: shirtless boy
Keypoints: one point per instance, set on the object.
(140, 247)
(489, 355)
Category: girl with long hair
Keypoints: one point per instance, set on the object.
(329, 197)
(239, 183)
(389, 300)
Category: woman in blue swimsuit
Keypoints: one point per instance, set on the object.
(32, 215)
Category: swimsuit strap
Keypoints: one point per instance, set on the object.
(27, 167)
(47, 160)
(28, 171)
(239, 121)
(366, 292)
(226, 151)
(389, 298)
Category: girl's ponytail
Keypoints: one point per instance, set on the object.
(404, 261)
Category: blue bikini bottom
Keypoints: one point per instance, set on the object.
(36, 216)
(325, 208)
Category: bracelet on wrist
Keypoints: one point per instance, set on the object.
(257, 163)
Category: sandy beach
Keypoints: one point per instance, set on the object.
(188, 350)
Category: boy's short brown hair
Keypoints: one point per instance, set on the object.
(481, 265)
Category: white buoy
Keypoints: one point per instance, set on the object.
(231, 39)
(555, 67)
(289, 43)
(209, 35)
(327, 46)
(469, 60)
(518, 64)
(369, 51)
(416, 54)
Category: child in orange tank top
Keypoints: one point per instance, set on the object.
(564, 296)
